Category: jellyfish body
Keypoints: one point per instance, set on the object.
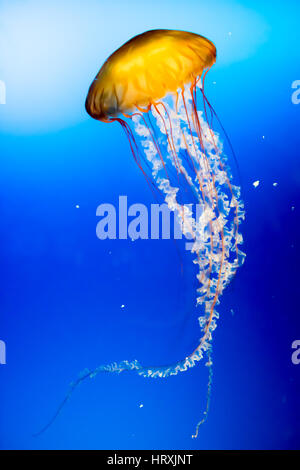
(154, 87)
(153, 80)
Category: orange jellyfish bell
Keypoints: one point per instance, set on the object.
(145, 69)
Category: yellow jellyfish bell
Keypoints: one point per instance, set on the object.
(145, 69)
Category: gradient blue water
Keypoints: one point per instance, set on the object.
(62, 288)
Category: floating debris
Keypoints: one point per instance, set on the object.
(77, 206)
(122, 306)
(141, 405)
(275, 184)
(256, 183)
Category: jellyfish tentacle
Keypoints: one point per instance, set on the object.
(134, 150)
(210, 299)
(117, 368)
(205, 199)
(169, 138)
(179, 167)
(196, 353)
(214, 195)
(239, 214)
(208, 395)
(199, 180)
(154, 142)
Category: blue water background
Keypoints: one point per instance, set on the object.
(62, 288)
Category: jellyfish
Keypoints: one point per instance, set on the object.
(153, 86)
